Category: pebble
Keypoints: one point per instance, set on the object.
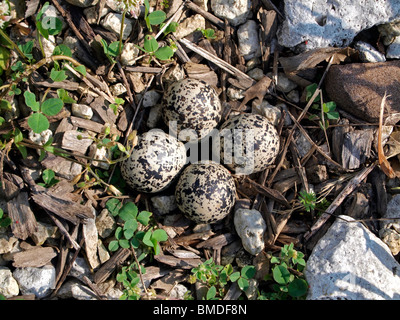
(256, 73)
(112, 22)
(272, 113)
(318, 24)
(91, 14)
(99, 154)
(82, 111)
(151, 98)
(390, 229)
(37, 281)
(43, 232)
(129, 54)
(190, 25)
(251, 227)
(7, 243)
(234, 93)
(83, 3)
(173, 74)
(105, 223)
(393, 50)
(118, 89)
(350, 262)
(236, 12)
(164, 204)
(8, 285)
(368, 53)
(155, 116)
(249, 44)
(74, 289)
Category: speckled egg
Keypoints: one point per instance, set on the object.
(249, 143)
(205, 192)
(191, 108)
(155, 161)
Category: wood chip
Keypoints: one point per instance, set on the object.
(107, 268)
(74, 140)
(218, 241)
(24, 221)
(35, 257)
(177, 262)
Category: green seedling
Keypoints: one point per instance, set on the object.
(112, 50)
(208, 33)
(38, 121)
(287, 274)
(150, 46)
(216, 278)
(4, 221)
(154, 18)
(128, 235)
(49, 179)
(308, 200)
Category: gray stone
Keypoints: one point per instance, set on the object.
(83, 3)
(164, 204)
(393, 50)
(235, 11)
(151, 98)
(251, 227)
(44, 231)
(112, 22)
(249, 44)
(82, 111)
(37, 281)
(318, 23)
(272, 113)
(190, 25)
(350, 262)
(76, 290)
(8, 285)
(105, 223)
(368, 53)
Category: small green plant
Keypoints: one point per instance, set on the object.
(129, 235)
(49, 178)
(154, 18)
(38, 121)
(328, 110)
(216, 278)
(151, 47)
(208, 33)
(287, 274)
(129, 276)
(111, 50)
(4, 221)
(308, 200)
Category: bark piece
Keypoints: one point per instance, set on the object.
(356, 148)
(177, 262)
(107, 268)
(24, 221)
(35, 257)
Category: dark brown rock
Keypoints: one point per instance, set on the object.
(358, 88)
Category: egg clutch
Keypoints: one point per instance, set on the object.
(205, 190)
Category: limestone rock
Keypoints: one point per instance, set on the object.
(358, 88)
(251, 227)
(318, 23)
(83, 3)
(235, 11)
(37, 281)
(190, 25)
(350, 262)
(112, 22)
(8, 285)
(249, 44)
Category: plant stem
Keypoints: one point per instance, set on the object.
(13, 44)
(121, 32)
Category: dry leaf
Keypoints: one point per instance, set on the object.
(259, 90)
(383, 162)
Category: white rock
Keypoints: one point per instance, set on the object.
(393, 50)
(350, 262)
(190, 25)
(234, 93)
(7, 243)
(318, 23)
(173, 74)
(251, 227)
(178, 292)
(164, 204)
(48, 45)
(249, 44)
(272, 113)
(99, 154)
(151, 98)
(235, 11)
(112, 22)
(117, 89)
(389, 31)
(129, 54)
(8, 285)
(82, 111)
(50, 12)
(105, 223)
(104, 255)
(80, 268)
(83, 3)
(391, 238)
(368, 53)
(76, 290)
(37, 281)
(40, 138)
(90, 234)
